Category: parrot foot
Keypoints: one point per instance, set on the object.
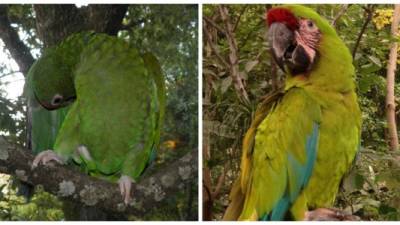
(125, 184)
(325, 214)
(45, 157)
(84, 152)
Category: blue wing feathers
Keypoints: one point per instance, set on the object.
(298, 176)
(311, 147)
(279, 211)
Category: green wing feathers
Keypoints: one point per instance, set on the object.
(154, 68)
(280, 151)
(119, 106)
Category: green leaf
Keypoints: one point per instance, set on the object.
(372, 202)
(353, 181)
(250, 65)
(225, 84)
(385, 209)
(369, 68)
(375, 60)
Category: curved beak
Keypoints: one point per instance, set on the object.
(280, 38)
(48, 106)
(290, 57)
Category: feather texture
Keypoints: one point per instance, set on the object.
(298, 148)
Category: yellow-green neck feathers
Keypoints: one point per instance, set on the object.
(333, 70)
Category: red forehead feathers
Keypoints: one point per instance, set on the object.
(282, 15)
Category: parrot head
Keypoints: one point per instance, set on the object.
(51, 81)
(294, 35)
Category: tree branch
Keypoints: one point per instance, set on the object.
(250, 33)
(107, 18)
(370, 11)
(342, 11)
(390, 77)
(56, 22)
(233, 55)
(67, 183)
(214, 47)
(211, 22)
(220, 183)
(240, 16)
(18, 50)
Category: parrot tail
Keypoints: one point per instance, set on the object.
(237, 201)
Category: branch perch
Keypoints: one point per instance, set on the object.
(67, 183)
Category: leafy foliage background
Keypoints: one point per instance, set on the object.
(371, 190)
(171, 33)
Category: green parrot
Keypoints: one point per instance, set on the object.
(108, 102)
(303, 139)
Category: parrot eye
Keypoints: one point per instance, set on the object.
(310, 24)
(57, 100)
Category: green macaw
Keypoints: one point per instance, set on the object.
(115, 99)
(303, 139)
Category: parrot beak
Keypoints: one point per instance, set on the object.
(48, 106)
(290, 57)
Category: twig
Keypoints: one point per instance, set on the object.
(342, 11)
(369, 10)
(213, 47)
(9, 74)
(220, 183)
(243, 43)
(240, 16)
(211, 22)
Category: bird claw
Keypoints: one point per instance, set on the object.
(45, 157)
(83, 151)
(125, 184)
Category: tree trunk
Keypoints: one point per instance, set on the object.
(390, 78)
(55, 22)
